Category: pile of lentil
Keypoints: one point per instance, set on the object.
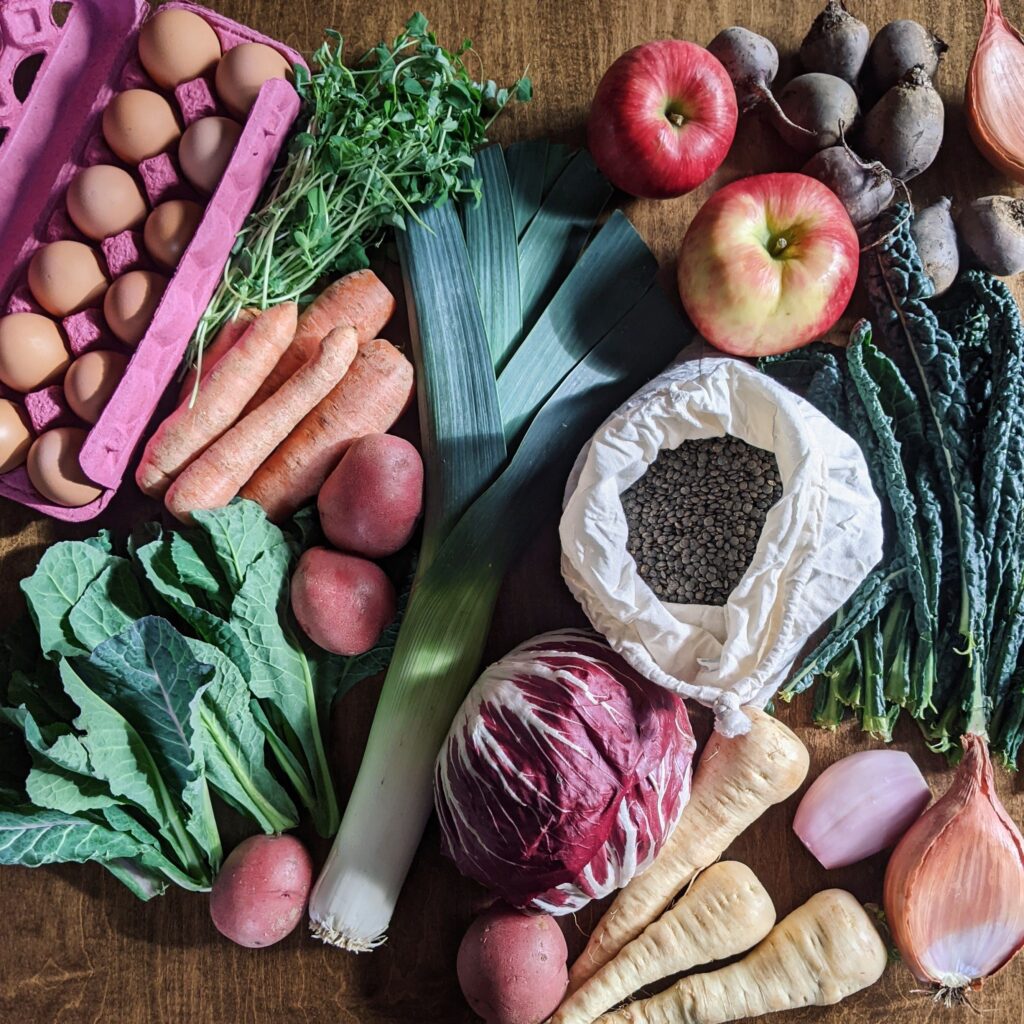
(696, 515)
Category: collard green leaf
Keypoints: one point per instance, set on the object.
(112, 601)
(31, 836)
(281, 674)
(193, 570)
(55, 788)
(150, 675)
(238, 535)
(143, 882)
(232, 746)
(60, 579)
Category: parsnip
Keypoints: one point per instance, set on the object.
(736, 781)
(823, 952)
(726, 911)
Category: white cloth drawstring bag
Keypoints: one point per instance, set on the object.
(820, 540)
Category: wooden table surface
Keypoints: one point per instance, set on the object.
(77, 948)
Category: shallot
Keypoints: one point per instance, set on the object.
(860, 805)
(995, 93)
(954, 888)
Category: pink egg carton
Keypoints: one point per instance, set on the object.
(48, 138)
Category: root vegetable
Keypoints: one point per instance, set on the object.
(898, 47)
(992, 228)
(725, 912)
(342, 603)
(836, 44)
(904, 128)
(512, 966)
(823, 106)
(261, 891)
(221, 471)
(360, 300)
(736, 781)
(821, 953)
(370, 397)
(215, 351)
(751, 61)
(188, 432)
(370, 504)
(934, 235)
(865, 189)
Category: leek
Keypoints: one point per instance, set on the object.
(442, 637)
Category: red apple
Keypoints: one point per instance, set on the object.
(663, 119)
(768, 264)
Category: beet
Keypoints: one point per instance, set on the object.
(865, 189)
(816, 109)
(836, 44)
(751, 61)
(992, 228)
(898, 47)
(934, 235)
(904, 128)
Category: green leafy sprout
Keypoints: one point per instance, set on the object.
(395, 132)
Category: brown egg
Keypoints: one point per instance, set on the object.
(170, 228)
(15, 436)
(104, 200)
(241, 72)
(205, 150)
(54, 470)
(176, 46)
(130, 303)
(32, 351)
(66, 277)
(90, 382)
(138, 124)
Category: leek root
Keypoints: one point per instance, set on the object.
(726, 911)
(823, 952)
(736, 781)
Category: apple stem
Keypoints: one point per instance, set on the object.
(780, 246)
(677, 119)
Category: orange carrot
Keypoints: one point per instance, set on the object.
(188, 432)
(219, 473)
(359, 300)
(226, 337)
(370, 397)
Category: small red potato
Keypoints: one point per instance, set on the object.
(261, 892)
(512, 966)
(370, 503)
(343, 603)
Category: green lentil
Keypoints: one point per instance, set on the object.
(696, 515)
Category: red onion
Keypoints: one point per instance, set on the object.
(860, 805)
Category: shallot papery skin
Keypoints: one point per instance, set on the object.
(954, 888)
(860, 805)
(563, 774)
(995, 93)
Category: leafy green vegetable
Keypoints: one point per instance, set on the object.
(390, 134)
(132, 721)
(940, 416)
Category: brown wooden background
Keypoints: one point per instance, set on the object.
(76, 948)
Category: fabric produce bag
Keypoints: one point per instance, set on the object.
(819, 542)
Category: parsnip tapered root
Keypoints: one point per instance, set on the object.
(736, 781)
(823, 952)
(725, 912)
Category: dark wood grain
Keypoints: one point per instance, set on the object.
(78, 949)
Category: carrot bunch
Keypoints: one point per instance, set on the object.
(279, 401)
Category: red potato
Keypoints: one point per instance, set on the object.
(370, 503)
(512, 966)
(343, 603)
(261, 892)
